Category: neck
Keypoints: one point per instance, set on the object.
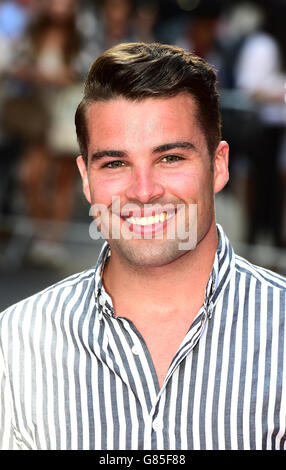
(166, 288)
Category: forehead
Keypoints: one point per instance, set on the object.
(151, 121)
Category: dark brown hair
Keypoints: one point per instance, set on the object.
(138, 70)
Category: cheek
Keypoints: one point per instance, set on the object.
(185, 185)
(104, 189)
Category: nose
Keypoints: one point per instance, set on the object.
(143, 187)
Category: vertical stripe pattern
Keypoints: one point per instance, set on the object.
(74, 376)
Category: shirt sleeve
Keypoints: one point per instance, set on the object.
(7, 437)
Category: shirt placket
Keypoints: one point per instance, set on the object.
(144, 386)
(156, 418)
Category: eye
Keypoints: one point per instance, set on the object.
(171, 158)
(114, 164)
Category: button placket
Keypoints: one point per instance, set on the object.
(157, 425)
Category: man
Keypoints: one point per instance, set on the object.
(171, 341)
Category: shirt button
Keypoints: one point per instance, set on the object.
(157, 425)
(135, 351)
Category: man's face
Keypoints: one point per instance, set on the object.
(150, 158)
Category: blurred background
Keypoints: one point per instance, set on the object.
(46, 49)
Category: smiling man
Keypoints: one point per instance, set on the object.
(153, 153)
(171, 341)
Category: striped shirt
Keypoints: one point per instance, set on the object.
(75, 376)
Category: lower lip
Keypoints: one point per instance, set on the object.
(151, 229)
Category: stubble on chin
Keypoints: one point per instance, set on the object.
(147, 253)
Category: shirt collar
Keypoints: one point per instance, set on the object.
(221, 272)
(219, 278)
(103, 300)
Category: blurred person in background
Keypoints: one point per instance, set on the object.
(146, 16)
(127, 20)
(41, 114)
(15, 16)
(114, 22)
(260, 71)
(199, 34)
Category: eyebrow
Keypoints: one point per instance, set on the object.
(161, 148)
(174, 145)
(107, 153)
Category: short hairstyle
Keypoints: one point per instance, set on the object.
(139, 70)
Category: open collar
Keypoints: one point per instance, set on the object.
(219, 278)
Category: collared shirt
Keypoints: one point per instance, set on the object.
(75, 376)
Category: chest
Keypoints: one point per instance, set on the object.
(163, 340)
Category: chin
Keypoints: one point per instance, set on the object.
(149, 253)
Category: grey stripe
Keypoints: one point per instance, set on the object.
(206, 362)
(115, 412)
(166, 415)
(23, 369)
(268, 358)
(55, 364)
(34, 368)
(240, 404)
(44, 373)
(219, 371)
(232, 351)
(66, 371)
(179, 404)
(89, 385)
(257, 333)
(101, 390)
(190, 401)
(77, 363)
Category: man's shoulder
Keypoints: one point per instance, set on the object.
(268, 278)
(69, 290)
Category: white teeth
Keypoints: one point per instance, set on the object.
(151, 220)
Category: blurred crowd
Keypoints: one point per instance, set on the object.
(46, 49)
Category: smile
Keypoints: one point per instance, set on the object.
(151, 220)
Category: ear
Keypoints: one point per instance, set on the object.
(220, 166)
(84, 176)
